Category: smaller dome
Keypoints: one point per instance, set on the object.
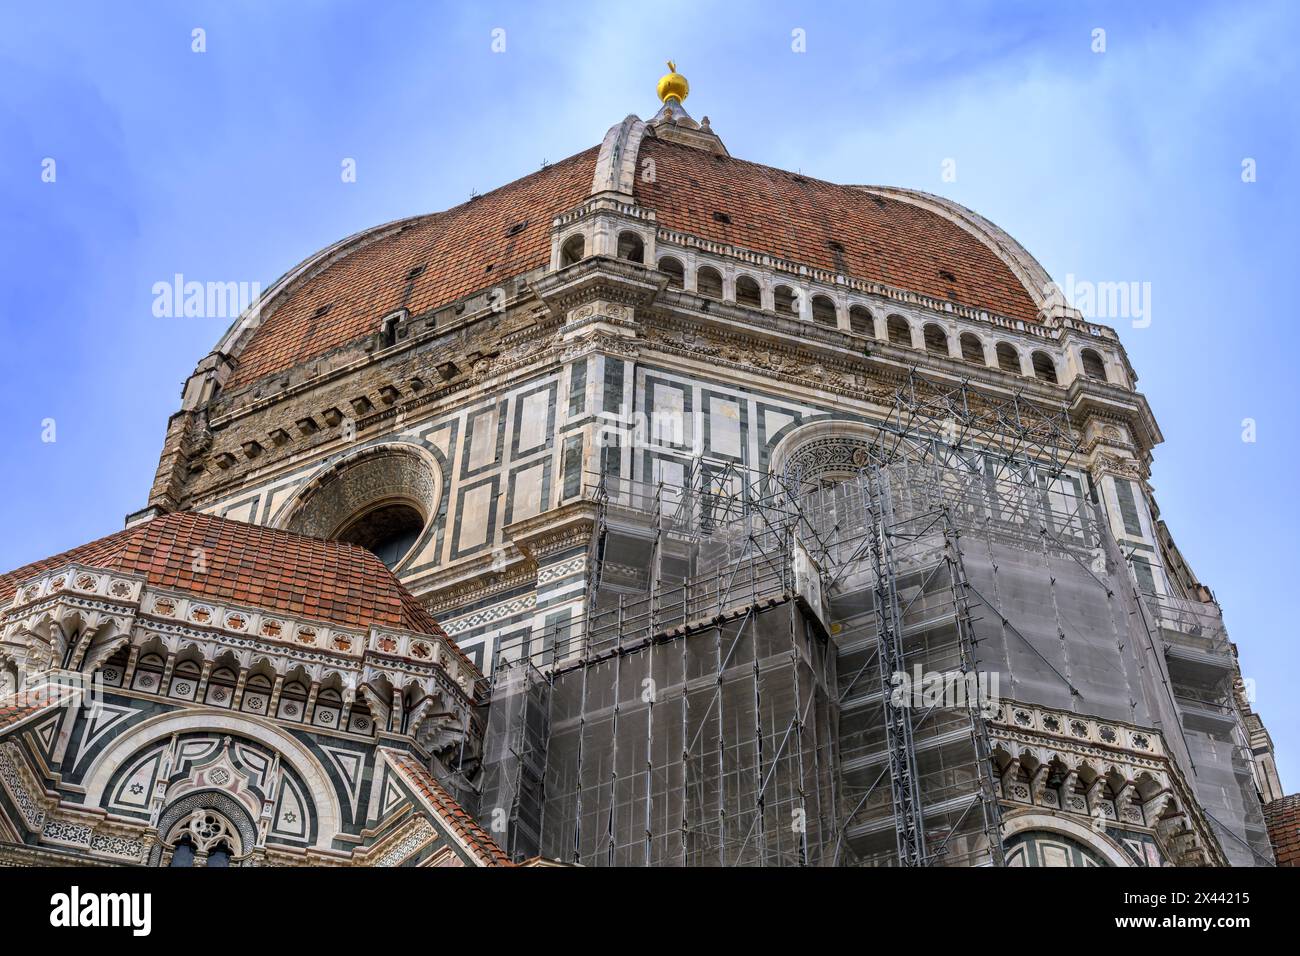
(673, 85)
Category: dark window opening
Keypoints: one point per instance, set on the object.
(783, 299)
(631, 247)
(900, 333)
(1093, 366)
(388, 531)
(936, 339)
(183, 855)
(676, 274)
(1044, 367)
(708, 282)
(573, 250)
(220, 856)
(860, 321)
(1008, 358)
(748, 292)
(823, 311)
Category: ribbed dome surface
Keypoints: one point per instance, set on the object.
(455, 248)
(506, 232)
(838, 228)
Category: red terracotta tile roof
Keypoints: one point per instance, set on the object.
(455, 247)
(1283, 818)
(18, 708)
(252, 565)
(446, 808)
(833, 227)
(792, 216)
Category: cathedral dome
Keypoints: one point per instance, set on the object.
(419, 264)
(678, 170)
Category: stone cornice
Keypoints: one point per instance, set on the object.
(1135, 755)
(140, 612)
(599, 278)
(1110, 402)
(559, 529)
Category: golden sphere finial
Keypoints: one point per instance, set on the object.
(672, 85)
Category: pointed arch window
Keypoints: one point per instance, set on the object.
(183, 852)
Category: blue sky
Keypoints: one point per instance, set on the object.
(225, 166)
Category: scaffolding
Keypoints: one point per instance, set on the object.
(1202, 669)
(742, 687)
(901, 617)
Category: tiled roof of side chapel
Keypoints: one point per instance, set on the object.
(343, 584)
(902, 239)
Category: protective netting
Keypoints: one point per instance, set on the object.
(728, 700)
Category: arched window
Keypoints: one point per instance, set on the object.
(1044, 367)
(573, 250)
(1093, 366)
(257, 694)
(293, 701)
(861, 322)
(676, 274)
(823, 311)
(183, 852)
(219, 855)
(708, 282)
(631, 247)
(221, 687)
(972, 349)
(784, 300)
(329, 704)
(1008, 358)
(900, 333)
(936, 339)
(748, 292)
(387, 531)
(148, 674)
(204, 837)
(185, 680)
